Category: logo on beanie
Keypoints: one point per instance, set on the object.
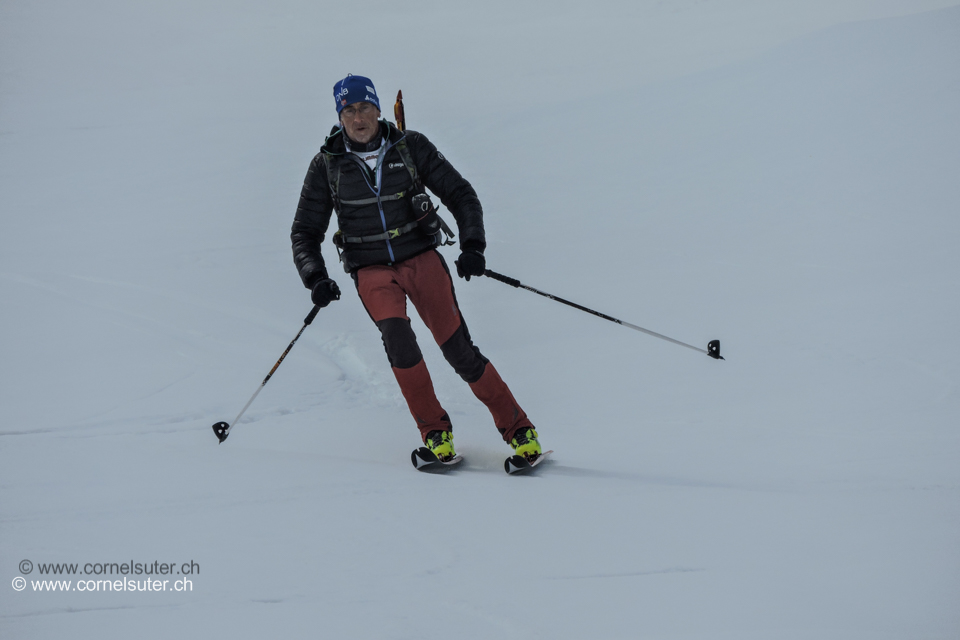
(356, 84)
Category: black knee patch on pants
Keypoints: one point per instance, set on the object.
(400, 343)
(463, 356)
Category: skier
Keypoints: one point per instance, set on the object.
(372, 174)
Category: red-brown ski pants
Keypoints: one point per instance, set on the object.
(425, 280)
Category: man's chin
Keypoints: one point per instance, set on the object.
(363, 137)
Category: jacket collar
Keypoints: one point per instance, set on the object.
(335, 143)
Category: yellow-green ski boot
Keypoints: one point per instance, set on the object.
(440, 444)
(525, 443)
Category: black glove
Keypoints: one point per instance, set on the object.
(471, 263)
(325, 292)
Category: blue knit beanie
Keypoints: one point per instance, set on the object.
(354, 89)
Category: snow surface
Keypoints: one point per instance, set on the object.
(781, 176)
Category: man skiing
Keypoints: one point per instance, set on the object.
(373, 175)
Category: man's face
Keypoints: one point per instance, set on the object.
(360, 121)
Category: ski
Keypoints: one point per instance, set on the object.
(516, 465)
(424, 460)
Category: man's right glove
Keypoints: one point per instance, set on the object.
(325, 292)
(471, 263)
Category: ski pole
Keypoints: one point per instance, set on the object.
(712, 350)
(222, 429)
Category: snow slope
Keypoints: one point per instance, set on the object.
(781, 176)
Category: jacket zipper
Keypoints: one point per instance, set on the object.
(378, 178)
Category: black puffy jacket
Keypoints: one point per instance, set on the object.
(362, 212)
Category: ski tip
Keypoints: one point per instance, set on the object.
(518, 464)
(422, 457)
(424, 460)
(513, 464)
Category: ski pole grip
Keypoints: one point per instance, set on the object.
(513, 282)
(313, 314)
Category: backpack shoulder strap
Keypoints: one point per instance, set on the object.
(404, 152)
(332, 165)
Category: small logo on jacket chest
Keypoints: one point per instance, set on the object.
(395, 165)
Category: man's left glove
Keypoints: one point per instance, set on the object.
(325, 292)
(471, 263)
